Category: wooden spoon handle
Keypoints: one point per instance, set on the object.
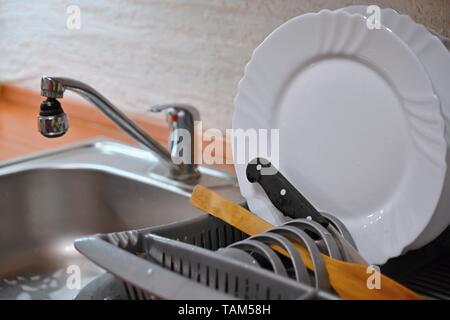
(348, 279)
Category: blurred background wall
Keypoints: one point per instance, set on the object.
(139, 53)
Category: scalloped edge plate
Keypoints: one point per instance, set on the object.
(435, 58)
(430, 50)
(311, 79)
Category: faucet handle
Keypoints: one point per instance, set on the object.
(178, 111)
(181, 116)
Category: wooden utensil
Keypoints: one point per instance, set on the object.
(349, 280)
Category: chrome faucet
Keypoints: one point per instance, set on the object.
(181, 119)
(53, 122)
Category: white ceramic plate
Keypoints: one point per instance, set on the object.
(430, 50)
(435, 58)
(361, 134)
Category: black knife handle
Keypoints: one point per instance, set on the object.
(283, 195)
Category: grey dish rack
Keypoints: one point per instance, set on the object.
(187, 260)
(146, 264)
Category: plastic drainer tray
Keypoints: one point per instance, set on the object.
(186, 265)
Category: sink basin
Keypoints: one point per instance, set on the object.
(98, 186)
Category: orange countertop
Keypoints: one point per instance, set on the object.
(18, 124)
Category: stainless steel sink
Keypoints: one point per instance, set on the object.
(49, 199)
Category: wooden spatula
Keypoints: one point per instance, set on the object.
(349, 280)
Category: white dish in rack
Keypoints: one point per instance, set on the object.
(435, 58)
(430, 50)
(361, 134)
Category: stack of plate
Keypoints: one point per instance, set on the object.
(361, 115)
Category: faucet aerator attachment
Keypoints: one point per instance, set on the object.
(52, 121)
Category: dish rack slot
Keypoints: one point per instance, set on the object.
(207, 268)
(211, 234)
(180, 261)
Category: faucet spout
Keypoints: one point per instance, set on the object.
(53, 121)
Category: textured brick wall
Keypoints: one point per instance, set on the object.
(139, 53)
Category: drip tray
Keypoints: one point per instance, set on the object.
(426, 270)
